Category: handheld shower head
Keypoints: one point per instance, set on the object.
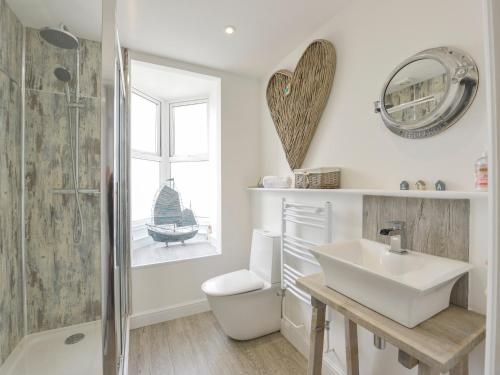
(62, 74)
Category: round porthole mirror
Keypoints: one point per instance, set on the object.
(428, 92)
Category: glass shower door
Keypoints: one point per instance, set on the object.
(123, 227)
(114, 199)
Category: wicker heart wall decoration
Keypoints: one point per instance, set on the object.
(297, 99)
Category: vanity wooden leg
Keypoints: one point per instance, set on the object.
(424, 369)
(462, 368)
(407, 360)
(317, 337)
(351, 347)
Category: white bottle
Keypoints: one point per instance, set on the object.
(481, 175)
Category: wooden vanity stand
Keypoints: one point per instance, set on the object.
(440, 344)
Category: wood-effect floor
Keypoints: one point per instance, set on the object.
(196, 345)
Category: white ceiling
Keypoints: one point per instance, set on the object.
(193, 30)
(169, 84)
(83, 17)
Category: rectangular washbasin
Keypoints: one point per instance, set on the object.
(407, 288)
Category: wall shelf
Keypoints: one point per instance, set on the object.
(448, 194)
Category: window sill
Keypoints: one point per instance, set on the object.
(156, 253)
(172, 262)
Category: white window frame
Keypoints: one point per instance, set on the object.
(187, 158)
(182, 158)
(158, 126)
(157, 156)
(165, 127)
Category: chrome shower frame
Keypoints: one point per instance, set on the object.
(115, 223)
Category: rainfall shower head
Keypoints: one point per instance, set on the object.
(59, 37)
(62, 74)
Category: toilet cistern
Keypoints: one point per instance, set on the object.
(396, 230)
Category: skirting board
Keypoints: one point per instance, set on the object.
(295, 335)
(149, 317)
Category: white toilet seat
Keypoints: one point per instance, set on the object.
(237, 282)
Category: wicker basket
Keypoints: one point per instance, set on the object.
(318, 178)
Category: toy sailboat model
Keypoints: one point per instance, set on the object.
(170, 221)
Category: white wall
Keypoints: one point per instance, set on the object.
(371, 38)
(168, 285)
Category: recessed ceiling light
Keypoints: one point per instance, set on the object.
(229, 30)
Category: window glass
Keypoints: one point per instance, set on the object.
(145, 182)
(144, 124)
(190, 132)
(192, 181)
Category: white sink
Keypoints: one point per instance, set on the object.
(407, 288)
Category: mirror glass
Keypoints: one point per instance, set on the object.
(415, 91)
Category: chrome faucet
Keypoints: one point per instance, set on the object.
(396, 230)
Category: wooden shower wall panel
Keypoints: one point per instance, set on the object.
(433, 226)
(63, 278)
(11, 289)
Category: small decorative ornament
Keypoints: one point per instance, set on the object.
(404, 185)
(420, 185)
(440, 185)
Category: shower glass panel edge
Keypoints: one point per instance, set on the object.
(113, 204)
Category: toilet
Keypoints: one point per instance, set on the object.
(247, 303)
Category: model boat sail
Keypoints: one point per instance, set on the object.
(170, 221)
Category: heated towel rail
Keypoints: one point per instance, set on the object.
(307, 216)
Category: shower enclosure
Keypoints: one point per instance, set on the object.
(63, 280)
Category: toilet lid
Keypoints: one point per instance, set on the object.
(237, 282)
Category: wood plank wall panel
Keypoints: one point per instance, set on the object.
(63, 283)
(433, 226)
(11, 287)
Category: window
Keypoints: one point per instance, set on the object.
(145, 119)
(170, 142)
(143, 193)
(189, 130)
(175, 141)
(191, 179)
(145, 123)
(189, 161)
(183, 157)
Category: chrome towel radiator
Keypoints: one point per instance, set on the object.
(317, 218)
